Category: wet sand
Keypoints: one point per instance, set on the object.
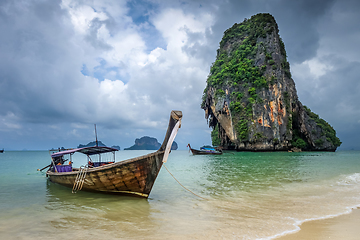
(345, 227)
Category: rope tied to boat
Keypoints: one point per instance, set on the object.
(183, 185)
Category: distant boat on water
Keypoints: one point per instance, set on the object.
(205, 150)
(134, 176)
(1, 151)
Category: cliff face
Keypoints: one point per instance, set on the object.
(250, 99)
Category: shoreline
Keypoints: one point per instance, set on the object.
(345, 226)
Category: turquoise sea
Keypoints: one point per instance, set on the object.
(246, 196)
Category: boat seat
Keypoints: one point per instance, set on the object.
(63, 168)
(98, 164)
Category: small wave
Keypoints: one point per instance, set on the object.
(297, 223)
(350, 179)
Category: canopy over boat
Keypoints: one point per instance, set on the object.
(208, 148)
(85, 150)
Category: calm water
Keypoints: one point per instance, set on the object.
(248, 196)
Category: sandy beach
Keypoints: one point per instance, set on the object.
(345, 227)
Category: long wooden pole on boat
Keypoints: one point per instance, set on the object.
(49, 166)
(96, 136)
(52, 162)
(44, 167)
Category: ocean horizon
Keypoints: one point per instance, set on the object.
(239, 195)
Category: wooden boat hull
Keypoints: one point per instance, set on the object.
(203, 152)
(134, 176)
(198, 152)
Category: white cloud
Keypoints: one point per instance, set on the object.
(82, 15)
(9, 122)
(317, 68)
(174, 24)
(127, 48)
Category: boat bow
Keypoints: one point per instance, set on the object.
(175, 117)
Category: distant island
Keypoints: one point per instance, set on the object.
(53, 149)
(144, 143)
(93, 143)
(148, 143)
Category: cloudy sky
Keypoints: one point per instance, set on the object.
(124, 65)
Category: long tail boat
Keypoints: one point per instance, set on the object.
(204, 151)
(134, 176)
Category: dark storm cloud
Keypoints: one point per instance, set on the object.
(336, 93)
(340, 30)
(30, 47)
(298, 22)
(39, 74)
(45, 45)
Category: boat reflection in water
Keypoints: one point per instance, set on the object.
(95, 215)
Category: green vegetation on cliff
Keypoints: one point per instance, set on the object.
(326, 128)
(235, 66)
(215, 139)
